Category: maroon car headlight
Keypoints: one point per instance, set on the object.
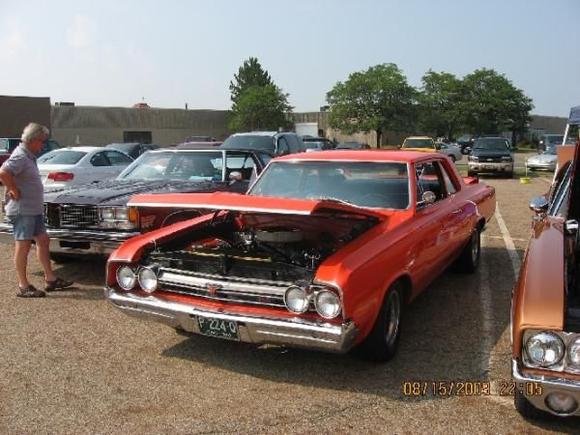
(544, 349)
(126, 278)
(327, 304)
(296, 299)
(147, 279)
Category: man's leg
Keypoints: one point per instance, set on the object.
(43, 254)
(21, 250)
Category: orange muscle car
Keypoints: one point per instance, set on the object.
(546, 303)
(322, 253)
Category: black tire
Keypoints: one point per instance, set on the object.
(526, 409)
(509, 175)
(469, 258)
(61, 258)
(471, 174)
(382, 342)
(452, 157)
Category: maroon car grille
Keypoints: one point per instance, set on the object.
(71, 216)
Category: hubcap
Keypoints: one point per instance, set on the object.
(394, 313)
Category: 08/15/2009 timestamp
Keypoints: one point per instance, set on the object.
(449, 388)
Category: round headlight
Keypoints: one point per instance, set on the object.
(327, 304)
(544, 349)
(574, 354)
(126, 278)
(147, 280)
(296, 299)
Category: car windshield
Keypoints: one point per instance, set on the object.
(550, 149)
(314, 145)
(554, 140)
(62, 157)
(191, 166)
(364, 184)
(418, 143)
(491, 144)
(252, 142)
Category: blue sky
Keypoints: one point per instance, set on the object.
(114, 53)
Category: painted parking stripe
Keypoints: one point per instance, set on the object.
(509, 243)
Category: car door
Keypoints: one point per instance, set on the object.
(429, 229)
(101, 168)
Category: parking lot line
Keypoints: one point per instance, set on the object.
(509, 243)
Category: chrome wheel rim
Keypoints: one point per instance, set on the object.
(394, 313)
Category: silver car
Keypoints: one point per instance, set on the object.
(450, 149)
(545, 161)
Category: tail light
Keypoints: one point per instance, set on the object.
(60, 176)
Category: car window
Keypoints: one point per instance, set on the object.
(560, 191)
(100, 159)
(283, 147)
(242, 163)
(429, 179)
(65, 157)
(3, 144)
(118, 159)
(449, 186)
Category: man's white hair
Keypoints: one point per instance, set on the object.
(33, 131)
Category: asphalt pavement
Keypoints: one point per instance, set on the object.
(70, 363)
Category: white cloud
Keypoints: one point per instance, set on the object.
(81, 32)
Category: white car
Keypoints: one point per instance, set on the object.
(450, 149)
(546, 160)
(66, 167)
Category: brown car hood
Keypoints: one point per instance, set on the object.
(249, 203)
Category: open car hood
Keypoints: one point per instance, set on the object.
(249, 203)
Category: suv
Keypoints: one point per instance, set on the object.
(491, 154)
(277, 144)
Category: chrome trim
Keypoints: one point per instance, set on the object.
(549, 385)
(294, 332)
(563, 365)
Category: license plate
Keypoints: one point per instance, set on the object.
(218, 328)
(489, 167)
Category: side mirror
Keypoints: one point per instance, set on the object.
(539, 205)
(235, 176)
(427, 198)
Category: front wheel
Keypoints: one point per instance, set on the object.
(469, 258)
(452, 157)
(382, 342)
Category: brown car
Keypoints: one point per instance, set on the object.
(546, 304)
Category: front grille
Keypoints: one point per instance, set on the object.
(78, 216)
(490, 159)
(227, 289)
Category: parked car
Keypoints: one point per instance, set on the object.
(453, 151)
(272, 142)
(352, 146)
(68, 167)
(199, 138)
(197, 145)
(8, 144)
(490, 155)
(545, 309)
(317, 143)
(94, 218)
(323, 252)
(465, 142)
(547, 160)
(133, 149)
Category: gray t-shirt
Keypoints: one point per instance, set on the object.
(22, 166)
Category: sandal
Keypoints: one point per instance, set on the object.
(30, 292)
(57, 284)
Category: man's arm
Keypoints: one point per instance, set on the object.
(8, 181)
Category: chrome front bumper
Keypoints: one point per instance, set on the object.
(542, 166)
(258, 330)
(76, 242)
(549, 385)
(490, 166)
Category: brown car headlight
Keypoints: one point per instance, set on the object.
(126, 278)
(327, 304)
(544, 349)
(574, 354)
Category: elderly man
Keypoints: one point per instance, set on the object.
(24, 209)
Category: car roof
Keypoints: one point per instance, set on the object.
(419, 137)
(85, 149)
(256, 133)
(363, 156)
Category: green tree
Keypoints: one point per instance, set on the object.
(377, 99)
(439, 103)
(492, 104)
(260, 108)
(249, 74)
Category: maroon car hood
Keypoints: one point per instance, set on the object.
(249, 203)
